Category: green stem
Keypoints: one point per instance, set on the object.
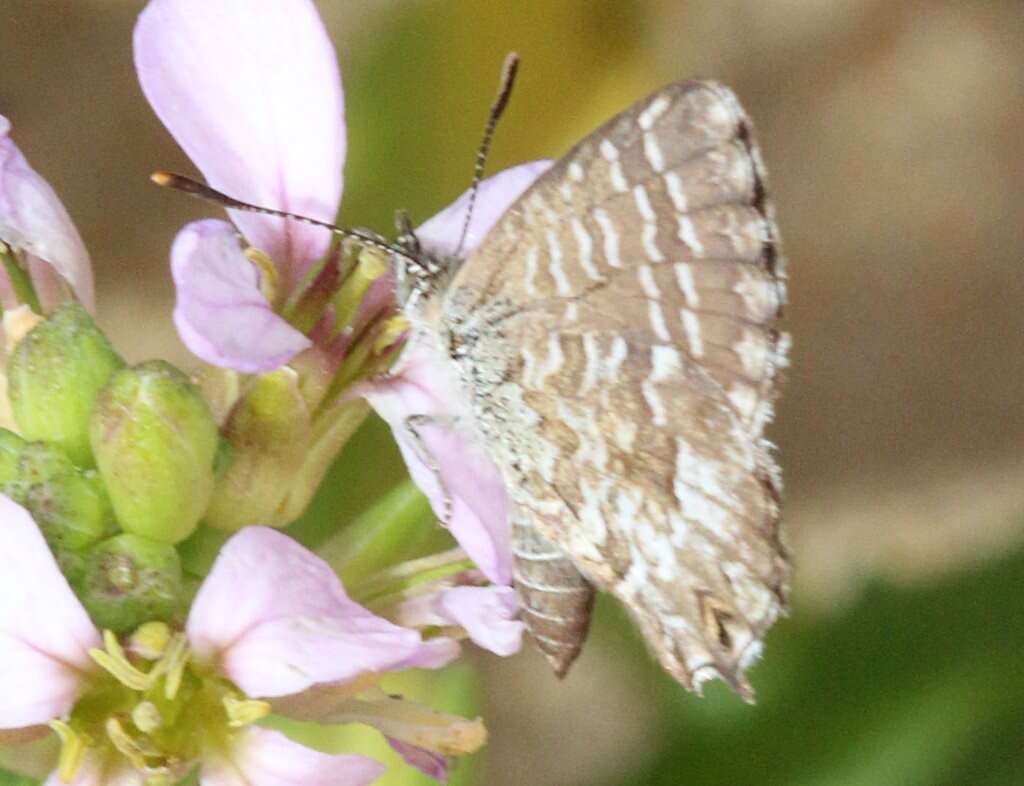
(375, 539)
(21, 281)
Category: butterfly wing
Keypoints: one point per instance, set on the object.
(618, 327)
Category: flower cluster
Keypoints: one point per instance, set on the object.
(147, 668)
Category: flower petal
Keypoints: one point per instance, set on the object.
(33, 219)
(422, 385)
(45, 634)
(441, 233)
(411, 723)
(275, 619)
(220, 312)
(31, 751)
(262, 757)
(431, 764)
(434, 653)
(487, 614)
(252, 93)
(95, 770)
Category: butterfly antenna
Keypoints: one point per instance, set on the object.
(204, 192)
(508, 77)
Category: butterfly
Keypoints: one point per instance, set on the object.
(615, 337)
(616, 345)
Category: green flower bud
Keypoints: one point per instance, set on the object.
(155, 441)
(11, 446)
(69, 505)
(269, 434)
(128, 580)
(71, 564)
(279, 452)
(54, 374)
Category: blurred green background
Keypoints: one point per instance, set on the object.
(892, 131)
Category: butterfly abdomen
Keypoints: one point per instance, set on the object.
(556, 599)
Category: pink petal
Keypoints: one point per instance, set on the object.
(487, 614)
(433, 653)
(261, 757)
(252, 93)
(45, 634)
(33, 219)
(441, 233)
(94, 771)
(479, 504)
(275, 619)
(431, 764)
(220, 313)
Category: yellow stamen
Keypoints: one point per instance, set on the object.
(126, 745)
(372, 263)
(390, 331)
(268, 273)
(242, 712)
(114, 661)
(175, 660)
(72, 748)
(146, 717)
(370, 266)
(150, 640)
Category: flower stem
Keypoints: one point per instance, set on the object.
(378, 537)
(21, 282)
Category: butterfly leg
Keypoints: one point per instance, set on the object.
(556, 598)
(413, 425)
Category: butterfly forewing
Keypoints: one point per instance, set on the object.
(617, 333)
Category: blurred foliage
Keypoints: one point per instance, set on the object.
(9, 779)
(910, 686)
(396, 113)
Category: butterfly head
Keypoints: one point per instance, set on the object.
(421, 278)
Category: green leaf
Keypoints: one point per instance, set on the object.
(10, 779)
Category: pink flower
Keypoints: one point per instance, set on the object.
(270, 621)
(252, 93)
(34, 223)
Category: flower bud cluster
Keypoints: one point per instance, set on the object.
(286, 424)
(114, 462)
